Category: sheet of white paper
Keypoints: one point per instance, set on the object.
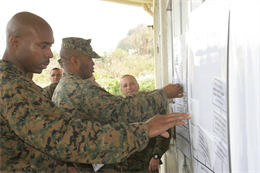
(194, 137)
(206, 146)
(220, 125)
(220, 148)
(96, 167)
(183, 145)
(183, 131)
(179, 107)
(195, 112)
(173, 108)
(219, 96)
(200, 168)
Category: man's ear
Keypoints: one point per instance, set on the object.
(14, 42)
(74, 61)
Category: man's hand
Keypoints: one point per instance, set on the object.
(153, 165)
(120, 168)
(160, 123)
(72, 169)
(173, 90)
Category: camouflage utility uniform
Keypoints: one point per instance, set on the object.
(48, 90)
(36, 136)
(83, 98)
(139, 161)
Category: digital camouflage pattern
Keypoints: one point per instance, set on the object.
(79, 44)
(139, 161)
(140, 171)
(49, 90)
(37, 136)
(84, 98)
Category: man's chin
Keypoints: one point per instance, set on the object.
(130, 93)
(38, 71)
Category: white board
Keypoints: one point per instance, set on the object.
(244, 86)
(208, 87)
(181, 104)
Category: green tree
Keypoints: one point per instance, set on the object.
(139, 39)
(125, 44)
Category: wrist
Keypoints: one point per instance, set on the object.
(156, 156)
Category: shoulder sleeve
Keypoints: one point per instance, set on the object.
(161, 145)
(102, 105)
(49, 90)
(142, 93)
(39, 123)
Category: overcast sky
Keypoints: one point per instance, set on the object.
(104, 22)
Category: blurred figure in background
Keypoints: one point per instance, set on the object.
(55, 75)
(149, 159)
(129, 85)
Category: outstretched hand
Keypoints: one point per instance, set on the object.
(173, 90)
(160, 123)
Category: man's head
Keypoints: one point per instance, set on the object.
(55, 75)
(128, 85)
(76, 55)
(29, 40)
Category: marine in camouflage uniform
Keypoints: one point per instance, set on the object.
(49, 90)
(139, 161)
(35, 134)
(83, 98)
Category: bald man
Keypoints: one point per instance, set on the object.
(129, 85)
(36, 135)
(149, 159)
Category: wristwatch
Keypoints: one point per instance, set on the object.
(156, 156)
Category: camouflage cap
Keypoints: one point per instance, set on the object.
(79, 44)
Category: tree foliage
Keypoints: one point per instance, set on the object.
(112, 67)
(140, 39)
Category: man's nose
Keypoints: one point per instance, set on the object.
(49, 53)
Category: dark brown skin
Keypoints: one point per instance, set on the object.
(77, 62)
(29, 40)
(173, 90)
(160, 123)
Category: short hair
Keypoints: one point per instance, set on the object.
(66, 54)
(55, 68)
(130, 76)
